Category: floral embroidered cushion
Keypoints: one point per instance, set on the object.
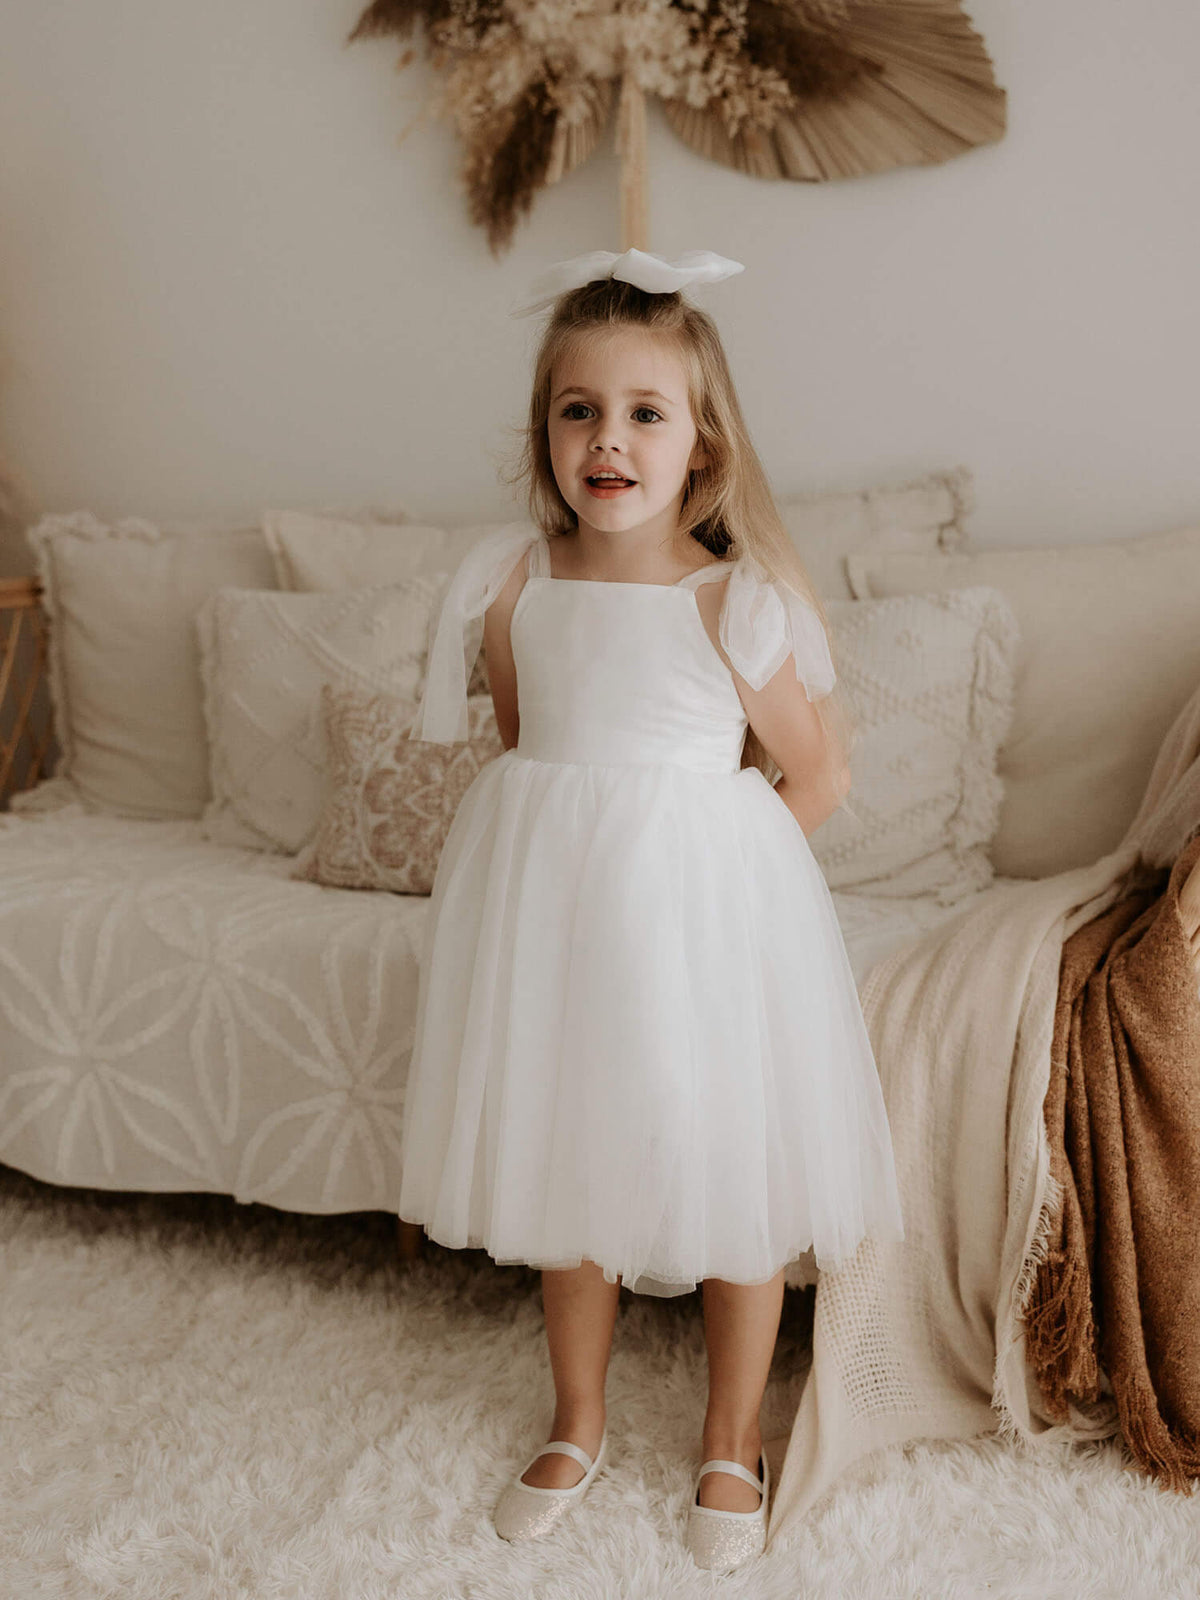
(390, 799)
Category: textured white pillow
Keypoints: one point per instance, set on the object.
(927, 514)
(124, 667)
(265, 657)
(931, 679)
(320, 553)
(1110, 653)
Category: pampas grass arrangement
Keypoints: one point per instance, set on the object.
(802, 89)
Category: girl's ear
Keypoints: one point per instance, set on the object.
(699, 458)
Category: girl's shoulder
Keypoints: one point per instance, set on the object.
(487, 566)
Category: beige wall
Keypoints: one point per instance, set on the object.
(223, 284)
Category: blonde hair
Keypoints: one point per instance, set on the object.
(728, 507)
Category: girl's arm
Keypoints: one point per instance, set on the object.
(816, 776)
(497, 652)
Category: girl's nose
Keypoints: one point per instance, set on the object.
(607, 438)
(607, 435)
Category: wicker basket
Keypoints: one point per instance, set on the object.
(25, 721)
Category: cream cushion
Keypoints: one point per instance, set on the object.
(265, 658)
(1110, 652)
(124, 666)
(925, 514)
(315, 552)
(930, 678)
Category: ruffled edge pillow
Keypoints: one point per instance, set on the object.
(123, 665)
(914, 828)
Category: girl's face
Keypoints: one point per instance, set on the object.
(619, 404)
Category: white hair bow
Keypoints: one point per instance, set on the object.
(644, 271)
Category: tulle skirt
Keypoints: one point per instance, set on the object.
(638, 1037)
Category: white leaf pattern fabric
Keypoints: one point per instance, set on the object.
(179, 1015)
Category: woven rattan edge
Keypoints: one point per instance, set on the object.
(25, 717)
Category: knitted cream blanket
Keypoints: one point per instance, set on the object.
(924, 1339)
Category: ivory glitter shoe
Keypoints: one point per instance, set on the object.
(722, 1540)
(524, 1511)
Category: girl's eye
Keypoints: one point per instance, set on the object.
(642, 413)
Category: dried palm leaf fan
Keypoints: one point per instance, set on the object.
(917, 89)
(803, 89)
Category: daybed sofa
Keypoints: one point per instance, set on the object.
(179, 1012)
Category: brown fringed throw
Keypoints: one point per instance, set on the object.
(1120, 1288)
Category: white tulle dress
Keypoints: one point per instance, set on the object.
(638, 1037)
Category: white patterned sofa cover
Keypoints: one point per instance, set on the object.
(179, 1015)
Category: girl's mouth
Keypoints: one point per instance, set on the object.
(606, 488)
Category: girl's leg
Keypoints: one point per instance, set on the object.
(412, 1241)
(580, 1310)
(740, 1324)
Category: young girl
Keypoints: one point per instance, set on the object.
(639, 1052)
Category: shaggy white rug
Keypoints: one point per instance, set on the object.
(202, 1401)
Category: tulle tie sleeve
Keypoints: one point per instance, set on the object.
(458, 631)
(763, 622)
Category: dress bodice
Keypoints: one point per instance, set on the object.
(614, 672)
(620, 673)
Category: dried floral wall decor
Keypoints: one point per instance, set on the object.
(809, 90)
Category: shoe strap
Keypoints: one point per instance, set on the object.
(738, 1470)
(566, 1448)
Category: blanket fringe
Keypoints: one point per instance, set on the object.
(1061, 1333)
(1037, 1251)
(1171, 1464)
